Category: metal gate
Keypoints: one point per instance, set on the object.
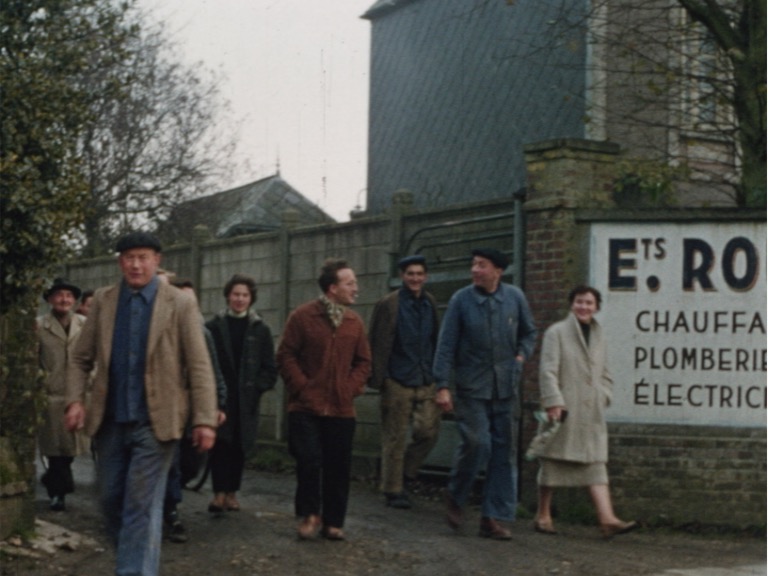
(447, 247)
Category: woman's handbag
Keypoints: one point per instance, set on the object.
(547, 430)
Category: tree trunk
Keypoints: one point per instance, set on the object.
(20, 402)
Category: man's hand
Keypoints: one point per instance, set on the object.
(443, 400)
(221, 417)
(74, 417)
(203, 438)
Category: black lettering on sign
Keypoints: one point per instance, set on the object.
(733, 249)
(695, 250)
(717, 396)
(617, 247)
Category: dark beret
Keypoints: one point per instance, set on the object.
(415, 259)
(138, 240)
(62, 284)
(499, 259)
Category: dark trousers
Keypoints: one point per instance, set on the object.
(322, 448)
(58, 479)
(227, 461)
(173, 487)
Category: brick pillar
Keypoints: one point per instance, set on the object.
(563, 176)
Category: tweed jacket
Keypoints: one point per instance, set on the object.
(56, 347)
(324, 368)
(256, 374)
(574, 375)
(383, 330)
(178, 367)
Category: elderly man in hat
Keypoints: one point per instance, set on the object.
(57, 332)
(403, 334)
(154, 375)
(486, 335)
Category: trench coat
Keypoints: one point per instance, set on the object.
(256, 374)
(55, 349)
(575, 375)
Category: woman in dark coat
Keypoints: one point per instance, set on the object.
(246, 354)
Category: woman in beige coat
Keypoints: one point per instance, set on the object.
(574, 382)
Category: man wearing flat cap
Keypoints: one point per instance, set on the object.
(403, 334)
(57, 332)
(486, 335)
(154, 375)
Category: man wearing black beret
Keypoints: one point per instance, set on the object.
(154, 376)
(486, 335)
(403, 334)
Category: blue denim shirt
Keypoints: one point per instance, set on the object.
(480, 337)
(127, 400)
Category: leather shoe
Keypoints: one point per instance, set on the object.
(490, 528)
(232, 504)
(333, 533)
(57, 504)
(217, 505)
(309, 527)
(400, 500)
(544, 527)
(453, 512)
(610, 530)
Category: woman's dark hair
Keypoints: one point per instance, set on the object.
(584, 289)
(247, 281)
(329, 272)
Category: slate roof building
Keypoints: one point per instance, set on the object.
(450, 107)
(248, 209)
(458, 87)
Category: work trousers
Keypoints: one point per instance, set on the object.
(405, 408)
(488, 431)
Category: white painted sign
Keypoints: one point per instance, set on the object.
(684, 307)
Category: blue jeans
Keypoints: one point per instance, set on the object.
(132, 471)
(487, 439)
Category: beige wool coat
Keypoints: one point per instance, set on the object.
(574, 375)
(56, 346)
(178, 378)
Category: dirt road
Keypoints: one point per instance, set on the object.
(261, 539)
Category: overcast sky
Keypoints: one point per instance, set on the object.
(296, 75)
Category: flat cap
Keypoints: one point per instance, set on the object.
(62, 284)
(499, 259)
(414, 259)
(138, 240)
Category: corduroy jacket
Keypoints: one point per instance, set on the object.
(324, 368)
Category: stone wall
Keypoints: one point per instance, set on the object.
(286, 263)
